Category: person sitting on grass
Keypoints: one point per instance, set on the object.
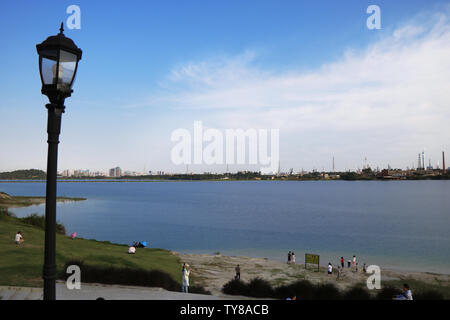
(19, 237)
(406, 295)
(132, 250)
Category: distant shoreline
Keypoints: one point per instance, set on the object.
(214, 180)
(7, 201)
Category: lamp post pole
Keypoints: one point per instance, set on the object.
(53, 129)
(58, 63)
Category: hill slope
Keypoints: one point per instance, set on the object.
(21, 265)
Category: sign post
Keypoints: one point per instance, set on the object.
(312, 259)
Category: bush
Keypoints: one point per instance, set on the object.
(260, 288)
(327, 291)
(356, 293)
(428, 295)
(303, 290)
(236, 288)
(127, 276)
(388, 293)
(198, 290)
(39, 221)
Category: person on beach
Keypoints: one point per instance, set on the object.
(354, 262)
(406, 295)
(339, 273)
(342, 262)
(330, 268)
(349, 262)
(364, 268)
(289, 257)
(185, 280)
(293, 257)
(238, 272)
(19, 237)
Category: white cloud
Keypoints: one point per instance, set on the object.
(395, 91)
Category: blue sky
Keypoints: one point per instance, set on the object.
(127, 101)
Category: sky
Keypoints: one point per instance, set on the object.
(311, 69)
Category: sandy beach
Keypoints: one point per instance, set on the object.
(213, 271)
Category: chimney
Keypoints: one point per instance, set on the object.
(443, 163)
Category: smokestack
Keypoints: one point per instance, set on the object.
(443, 163)
(423, 160)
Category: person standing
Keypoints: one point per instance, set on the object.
(330, 268)
(185, 278)
(238, 272)
(293, 257)
(339, 272)
(354, 262)
(342, 262)
(19, 237)
(364, 268)
(289, 257)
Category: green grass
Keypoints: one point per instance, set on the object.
(21, 265)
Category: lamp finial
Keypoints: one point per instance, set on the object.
(62, 28)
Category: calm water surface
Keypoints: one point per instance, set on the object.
(396, 224)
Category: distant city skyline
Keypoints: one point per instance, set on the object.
(333, 88)
(119, 171)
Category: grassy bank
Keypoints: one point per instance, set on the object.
(8, 201)
(22, 265)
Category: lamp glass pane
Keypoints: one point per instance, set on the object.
(66, 73)
(48, 66)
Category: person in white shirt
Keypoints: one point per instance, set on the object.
(330, 268)
(132, 250)
(185, 280)
(19, 238)
(406, 295)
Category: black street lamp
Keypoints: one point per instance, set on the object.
(58, 62)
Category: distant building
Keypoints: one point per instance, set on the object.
(115, 172)
(66, 173)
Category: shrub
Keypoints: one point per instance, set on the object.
(428, 295)
(236, 288)
(327, 291)
(39, 221)
(128, 276)
(260, 288)
(303, 289)
(387, 293)
(356, 293)
(199, 290)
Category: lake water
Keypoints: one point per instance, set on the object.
(395, 224)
